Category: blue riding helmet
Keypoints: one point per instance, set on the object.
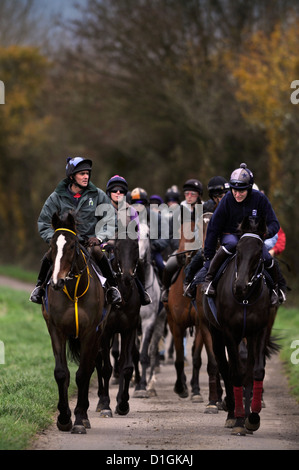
(117, 181)
(76, 164)
(241, 178)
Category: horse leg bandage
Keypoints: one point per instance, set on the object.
(239, 408)
(256, 404)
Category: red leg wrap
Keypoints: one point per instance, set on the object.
(256, 404)
(239, 408)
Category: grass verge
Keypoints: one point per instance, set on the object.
(286, 326)
(28, 391)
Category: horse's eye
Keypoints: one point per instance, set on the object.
(72, 246)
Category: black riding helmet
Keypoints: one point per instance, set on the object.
(217, 186)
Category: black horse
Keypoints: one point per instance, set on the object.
(242, 310)
(123, 320)
(72, 308)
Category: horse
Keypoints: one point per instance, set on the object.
(72, 309)
(122, 320)
(149, 315)
(182, 313)
(242, 310)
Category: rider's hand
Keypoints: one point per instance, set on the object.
(94, 241)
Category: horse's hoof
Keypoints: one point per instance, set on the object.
(252, 423)
(78, 429)
(183, 393)
(220, 405)
(105, 413)
(196, 398)
(65, 427)
(211, 409)
(141, 394)
(230, 422)
(238, 431)
(151, 392)
(86, 423)
(122, 411)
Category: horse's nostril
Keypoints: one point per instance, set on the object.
(57, 285)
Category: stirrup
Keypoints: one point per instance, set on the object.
(189, 291)
(281, 296)
(37, 295)
(146, 299)
(209, 290)
(113, 296)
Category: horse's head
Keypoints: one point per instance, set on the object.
(249, 255)
(63, 248)
(144, 241)
(125, 263)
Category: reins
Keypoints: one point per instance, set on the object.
(78, 276)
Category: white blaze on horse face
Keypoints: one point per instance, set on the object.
(60, 242)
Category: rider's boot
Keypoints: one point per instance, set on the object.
(278, 291)
(145, 298)
(39, 291)
(219, 258)
(113, 295)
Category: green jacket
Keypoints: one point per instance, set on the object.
(94, 213)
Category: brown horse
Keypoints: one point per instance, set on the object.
(182, 314)
(72, 309)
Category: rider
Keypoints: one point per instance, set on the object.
(217, 188)
(241, 201)
(116, 189)
(76, 193)
(193, 191)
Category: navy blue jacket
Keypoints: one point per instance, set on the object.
(230, 213)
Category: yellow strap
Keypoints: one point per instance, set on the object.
(66, 230)
(75, 299)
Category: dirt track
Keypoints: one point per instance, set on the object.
(168, 423)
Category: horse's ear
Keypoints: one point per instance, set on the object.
(55, 220)
(262, 227)
(245, 225)
(71, 220)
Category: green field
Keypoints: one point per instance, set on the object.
(28, 391)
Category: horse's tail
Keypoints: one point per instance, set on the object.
(272, 346)
(74, 349)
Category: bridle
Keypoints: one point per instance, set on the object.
(258, 273)
(71, 275)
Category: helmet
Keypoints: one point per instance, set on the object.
(76, 164)
(172, 194)
(193, 185)
(217, 185)
(117, 182)
(156, 199)
(139, 195)
(241, 178)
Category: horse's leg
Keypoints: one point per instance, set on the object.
(88, 353)
(104, 372)
(115, 355)
(223, 367)
(180, 386)
(258, 349)
(62, 377)
(126, 371)
(215, 389)
(144, 361)
(196, 365)
(237, 380)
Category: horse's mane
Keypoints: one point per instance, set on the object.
(252, 225)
